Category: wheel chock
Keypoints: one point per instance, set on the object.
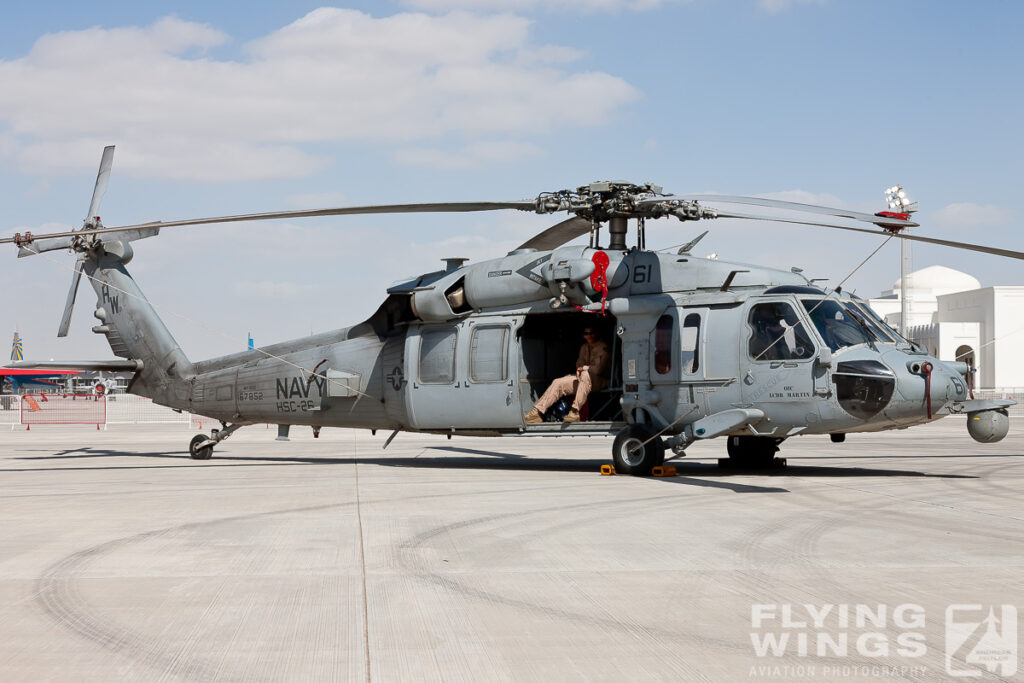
(607, 470)
(664, 471)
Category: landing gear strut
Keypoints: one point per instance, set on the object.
(201, 446)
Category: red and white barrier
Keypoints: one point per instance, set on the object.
(63, 409)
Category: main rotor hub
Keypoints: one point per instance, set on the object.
(606, 200)
(599, 201)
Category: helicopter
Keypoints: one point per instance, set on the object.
(700, 348)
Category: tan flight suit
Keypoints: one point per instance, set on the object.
(597, 360)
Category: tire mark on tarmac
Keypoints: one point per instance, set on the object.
(823, 583)
(641, 634)
(57, 592)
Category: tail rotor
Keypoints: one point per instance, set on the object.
(80, 243)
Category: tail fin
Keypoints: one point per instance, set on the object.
(134, 330)
(17, 351)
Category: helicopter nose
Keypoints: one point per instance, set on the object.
(923, 380)
(943, 381)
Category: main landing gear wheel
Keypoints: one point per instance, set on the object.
(752, 451)
(198, 453)
(632, 455)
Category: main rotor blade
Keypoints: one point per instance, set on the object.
(558, 234)
(796, 206)
(901, 235)
(65, 321)
(102, 179)
(448, 207)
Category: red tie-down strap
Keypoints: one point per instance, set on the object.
(599, 280)
(926, 370)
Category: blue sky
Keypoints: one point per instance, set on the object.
(230, 107)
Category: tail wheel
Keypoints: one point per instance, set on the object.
(753, 451)
(198, 453)
(637, 450)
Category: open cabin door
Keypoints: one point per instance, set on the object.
(463, 375)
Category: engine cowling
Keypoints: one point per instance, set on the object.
(517, 278)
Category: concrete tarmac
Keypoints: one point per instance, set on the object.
(503, 559)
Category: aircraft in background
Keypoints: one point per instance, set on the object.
(52, 379)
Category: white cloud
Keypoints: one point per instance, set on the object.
(169, 155)
(471, 156)
(547, 5)
(335, 75)
(776, 6)
(969, 215)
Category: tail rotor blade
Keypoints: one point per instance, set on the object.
(102, 179)
(65, 322)
(39, 246)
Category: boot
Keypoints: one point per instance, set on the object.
(533, 417)
(573, 416)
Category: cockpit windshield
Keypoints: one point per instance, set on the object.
(836, 325)
(868, 317)
(879, 323)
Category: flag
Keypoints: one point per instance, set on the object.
(251, 344)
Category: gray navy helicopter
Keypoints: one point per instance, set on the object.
(701, 348)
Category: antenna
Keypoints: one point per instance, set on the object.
(897, 200)
(688, 247)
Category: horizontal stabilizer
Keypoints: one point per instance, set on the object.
(92, 365)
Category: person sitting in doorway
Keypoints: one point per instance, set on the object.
(592, 367)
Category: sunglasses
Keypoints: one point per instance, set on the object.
(587, 333)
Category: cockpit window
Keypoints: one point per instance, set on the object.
(884, 326)
(777, 334)
(878, 328)
(834, 323)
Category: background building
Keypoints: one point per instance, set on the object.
(953, 317)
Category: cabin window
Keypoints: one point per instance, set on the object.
(663, 345)
(437, 356)
(777, 334)
(488, 361)
(690, 350)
